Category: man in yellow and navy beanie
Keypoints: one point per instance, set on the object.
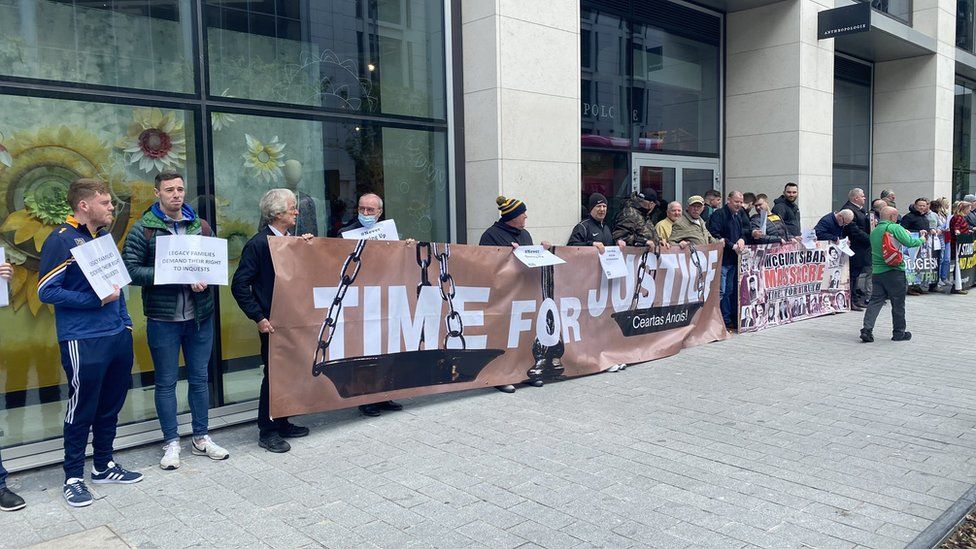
(509, 230)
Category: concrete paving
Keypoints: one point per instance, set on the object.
(800, 436)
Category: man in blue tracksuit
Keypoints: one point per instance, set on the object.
(95, 337)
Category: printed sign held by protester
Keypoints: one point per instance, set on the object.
(784, 283)
(612, 261)
(383, 230)
(4, 289)
(965, 269)
(189, 259)
(101, 262)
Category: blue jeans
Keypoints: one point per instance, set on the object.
(165, 341)
(728, 293)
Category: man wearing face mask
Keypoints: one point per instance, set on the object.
(370, 211)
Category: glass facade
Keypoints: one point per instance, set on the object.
(330, 99)
(966, 24)
(651, 82)
(963, 155)
(900, 10)
(852, 129)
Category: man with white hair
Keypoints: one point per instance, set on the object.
(831, 226)
(253, 288)
(971, 216)
(858, 233)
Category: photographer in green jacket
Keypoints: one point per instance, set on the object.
(888, 282)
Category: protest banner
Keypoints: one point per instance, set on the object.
(355, 322)
(784, 283)
(384, 230)
(965, 267)
(4, 289)
(921, 263)
(189, 259)
(101, 263)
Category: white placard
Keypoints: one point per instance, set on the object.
(612, 261)
(189, 259)
(4, 286)
(102, 265)
(809, 239)
(536, 256)
(384, 230)
(845, 246)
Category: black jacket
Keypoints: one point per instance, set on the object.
(253, 283)
(971, 219)
(859, 234)
(589, 231)
(501, 234)
(789, 212)
(730, 226)
(775, 229)
(914, 221)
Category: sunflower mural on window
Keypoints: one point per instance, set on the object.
(33, 197)
(155, 141)
(264, 159)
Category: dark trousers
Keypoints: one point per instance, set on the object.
(3, 475)
(266, 425)
(858, 290)
(99, 371)
(887, 285)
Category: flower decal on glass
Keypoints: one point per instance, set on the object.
(264, 159)
(155, 141)
(220, 120)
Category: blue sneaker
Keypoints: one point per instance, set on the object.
(115, 474)
(76, 493)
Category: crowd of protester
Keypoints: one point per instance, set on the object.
(95, 334)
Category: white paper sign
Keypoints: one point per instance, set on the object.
(612, 261)
(845, 246)
(189, 259)
(809, 237)
(764, 216)
(536, 256)
(102, 265)
(384, 230)
(4, 286)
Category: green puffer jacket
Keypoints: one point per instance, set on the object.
(139, 255)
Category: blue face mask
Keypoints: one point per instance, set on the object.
(367, 221)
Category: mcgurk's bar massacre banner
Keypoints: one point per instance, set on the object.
(784, 283)
(366, 321)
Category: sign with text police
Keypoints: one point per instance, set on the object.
(845, 20)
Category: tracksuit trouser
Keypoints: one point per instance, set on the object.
(99, 371)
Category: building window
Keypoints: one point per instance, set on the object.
(852, 128)
(648, 83)
(963, 165)
(141, 45)
(384, 56)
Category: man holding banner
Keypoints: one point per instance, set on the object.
(95, 337)
(888, 281)
(253, 288)
(177, 316)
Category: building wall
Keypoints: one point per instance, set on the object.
(779, 103)
(521, 112)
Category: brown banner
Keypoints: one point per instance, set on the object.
(466, 317)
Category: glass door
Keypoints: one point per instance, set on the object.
(675, 178)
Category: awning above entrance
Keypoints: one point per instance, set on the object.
(871, 35)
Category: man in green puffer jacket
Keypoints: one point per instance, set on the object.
(888, 282)
(178, 316)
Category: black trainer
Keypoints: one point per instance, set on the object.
(506, 388)
(904, 336)
(389, 405)
(274, 443)
(867, 336)
(290, 430)
(10, 501)
(370, 410)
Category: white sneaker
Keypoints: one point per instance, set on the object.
(171, 456)
(623, 366)
(207, 447)
(613, 368)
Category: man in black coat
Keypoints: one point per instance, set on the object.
(858, 234)
(593, 231)
(731, 223)
(916, 220)
(253, 289)
(787, 209)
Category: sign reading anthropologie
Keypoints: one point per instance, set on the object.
(365, 321)
(784, 283)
